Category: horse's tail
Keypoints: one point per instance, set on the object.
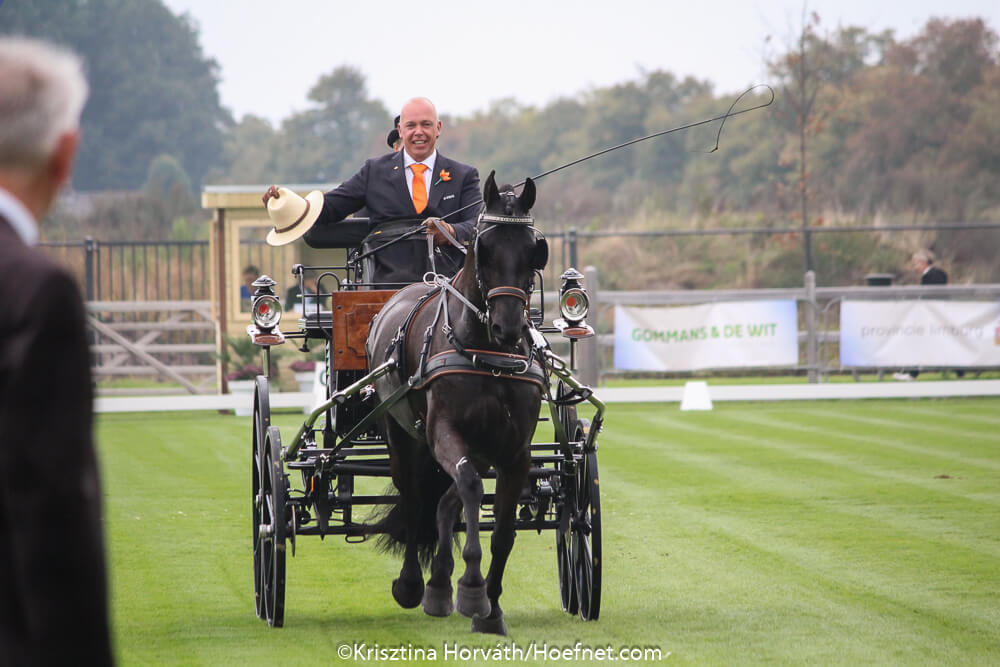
(430, 483)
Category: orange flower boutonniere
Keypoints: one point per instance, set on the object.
(444, 175)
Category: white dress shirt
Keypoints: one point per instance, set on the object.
(19, 217)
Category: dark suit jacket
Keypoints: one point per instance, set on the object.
(53, 588)
(934, 276)
(380, 188)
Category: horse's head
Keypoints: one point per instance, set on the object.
(508, 251)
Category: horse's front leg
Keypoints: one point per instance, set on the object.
(451, 451)
(510, 484)
(472, 600)
(437, 595)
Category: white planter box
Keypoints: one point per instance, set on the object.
(243, 387)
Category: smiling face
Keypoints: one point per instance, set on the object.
(419, 128)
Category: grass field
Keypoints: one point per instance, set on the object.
(806, 533)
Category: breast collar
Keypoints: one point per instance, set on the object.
(458, 360)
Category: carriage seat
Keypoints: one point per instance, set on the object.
(315, 323)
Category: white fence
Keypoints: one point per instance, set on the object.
(818, 315)
(173, 341)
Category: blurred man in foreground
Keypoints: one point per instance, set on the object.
(53, 583)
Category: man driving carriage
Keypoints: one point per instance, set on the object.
(417, 185)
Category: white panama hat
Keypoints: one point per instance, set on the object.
(292, 215)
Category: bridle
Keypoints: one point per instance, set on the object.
(488, 294)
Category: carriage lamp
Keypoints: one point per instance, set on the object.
(573, 301)
(266, 309)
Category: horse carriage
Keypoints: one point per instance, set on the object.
(436, 385)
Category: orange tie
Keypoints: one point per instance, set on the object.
(419, 187)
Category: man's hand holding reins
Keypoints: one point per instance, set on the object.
(434, 227)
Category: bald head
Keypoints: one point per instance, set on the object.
(419, 127)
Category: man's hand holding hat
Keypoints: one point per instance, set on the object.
(291, 214)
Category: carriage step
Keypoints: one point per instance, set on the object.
(362, 451)
(379, 469)
(549, 458)
(534, 473)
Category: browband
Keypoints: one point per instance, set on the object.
(506, 219)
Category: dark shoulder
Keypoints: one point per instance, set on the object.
(935, 276)
(45, 287)
(54, 281)
(21, 263)
(384, 161)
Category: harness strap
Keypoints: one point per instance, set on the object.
(444, 230)
(482, 362)
(446, 284)
(398, 341)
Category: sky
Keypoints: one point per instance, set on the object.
(464, 54)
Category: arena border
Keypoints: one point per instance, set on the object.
(670, 394)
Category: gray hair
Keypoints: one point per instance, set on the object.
(42, 93)
(924, 255)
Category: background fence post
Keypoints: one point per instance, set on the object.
(812, 348)
(89, 249)
(571, 241)
(590, 356)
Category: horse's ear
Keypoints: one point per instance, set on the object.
(541, 255)
(527, 198)
(490, 194)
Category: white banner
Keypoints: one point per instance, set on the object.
(714, 335)
(919, 333)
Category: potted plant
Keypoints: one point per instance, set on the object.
(244, 360)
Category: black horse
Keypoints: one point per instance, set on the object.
(474, 394)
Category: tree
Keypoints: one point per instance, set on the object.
(328, 142)
(252, 154)
(152, 89)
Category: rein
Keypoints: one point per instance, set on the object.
(724, 117)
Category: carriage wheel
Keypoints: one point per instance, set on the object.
(567, 583)
(272, 530)
(586, 551)
(258, 467)
(564, 531)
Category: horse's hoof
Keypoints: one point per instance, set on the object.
(472, 601)
(493, 626)
(437, 601)
(408, 593)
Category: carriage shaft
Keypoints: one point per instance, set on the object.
(338, 397)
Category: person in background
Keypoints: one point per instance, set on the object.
(922, 262)
(53, 576)
(294, 301)
(393, 139)
(250, 274)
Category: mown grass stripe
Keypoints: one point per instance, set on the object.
(731, 536)
(909, 427)
(779, 482)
